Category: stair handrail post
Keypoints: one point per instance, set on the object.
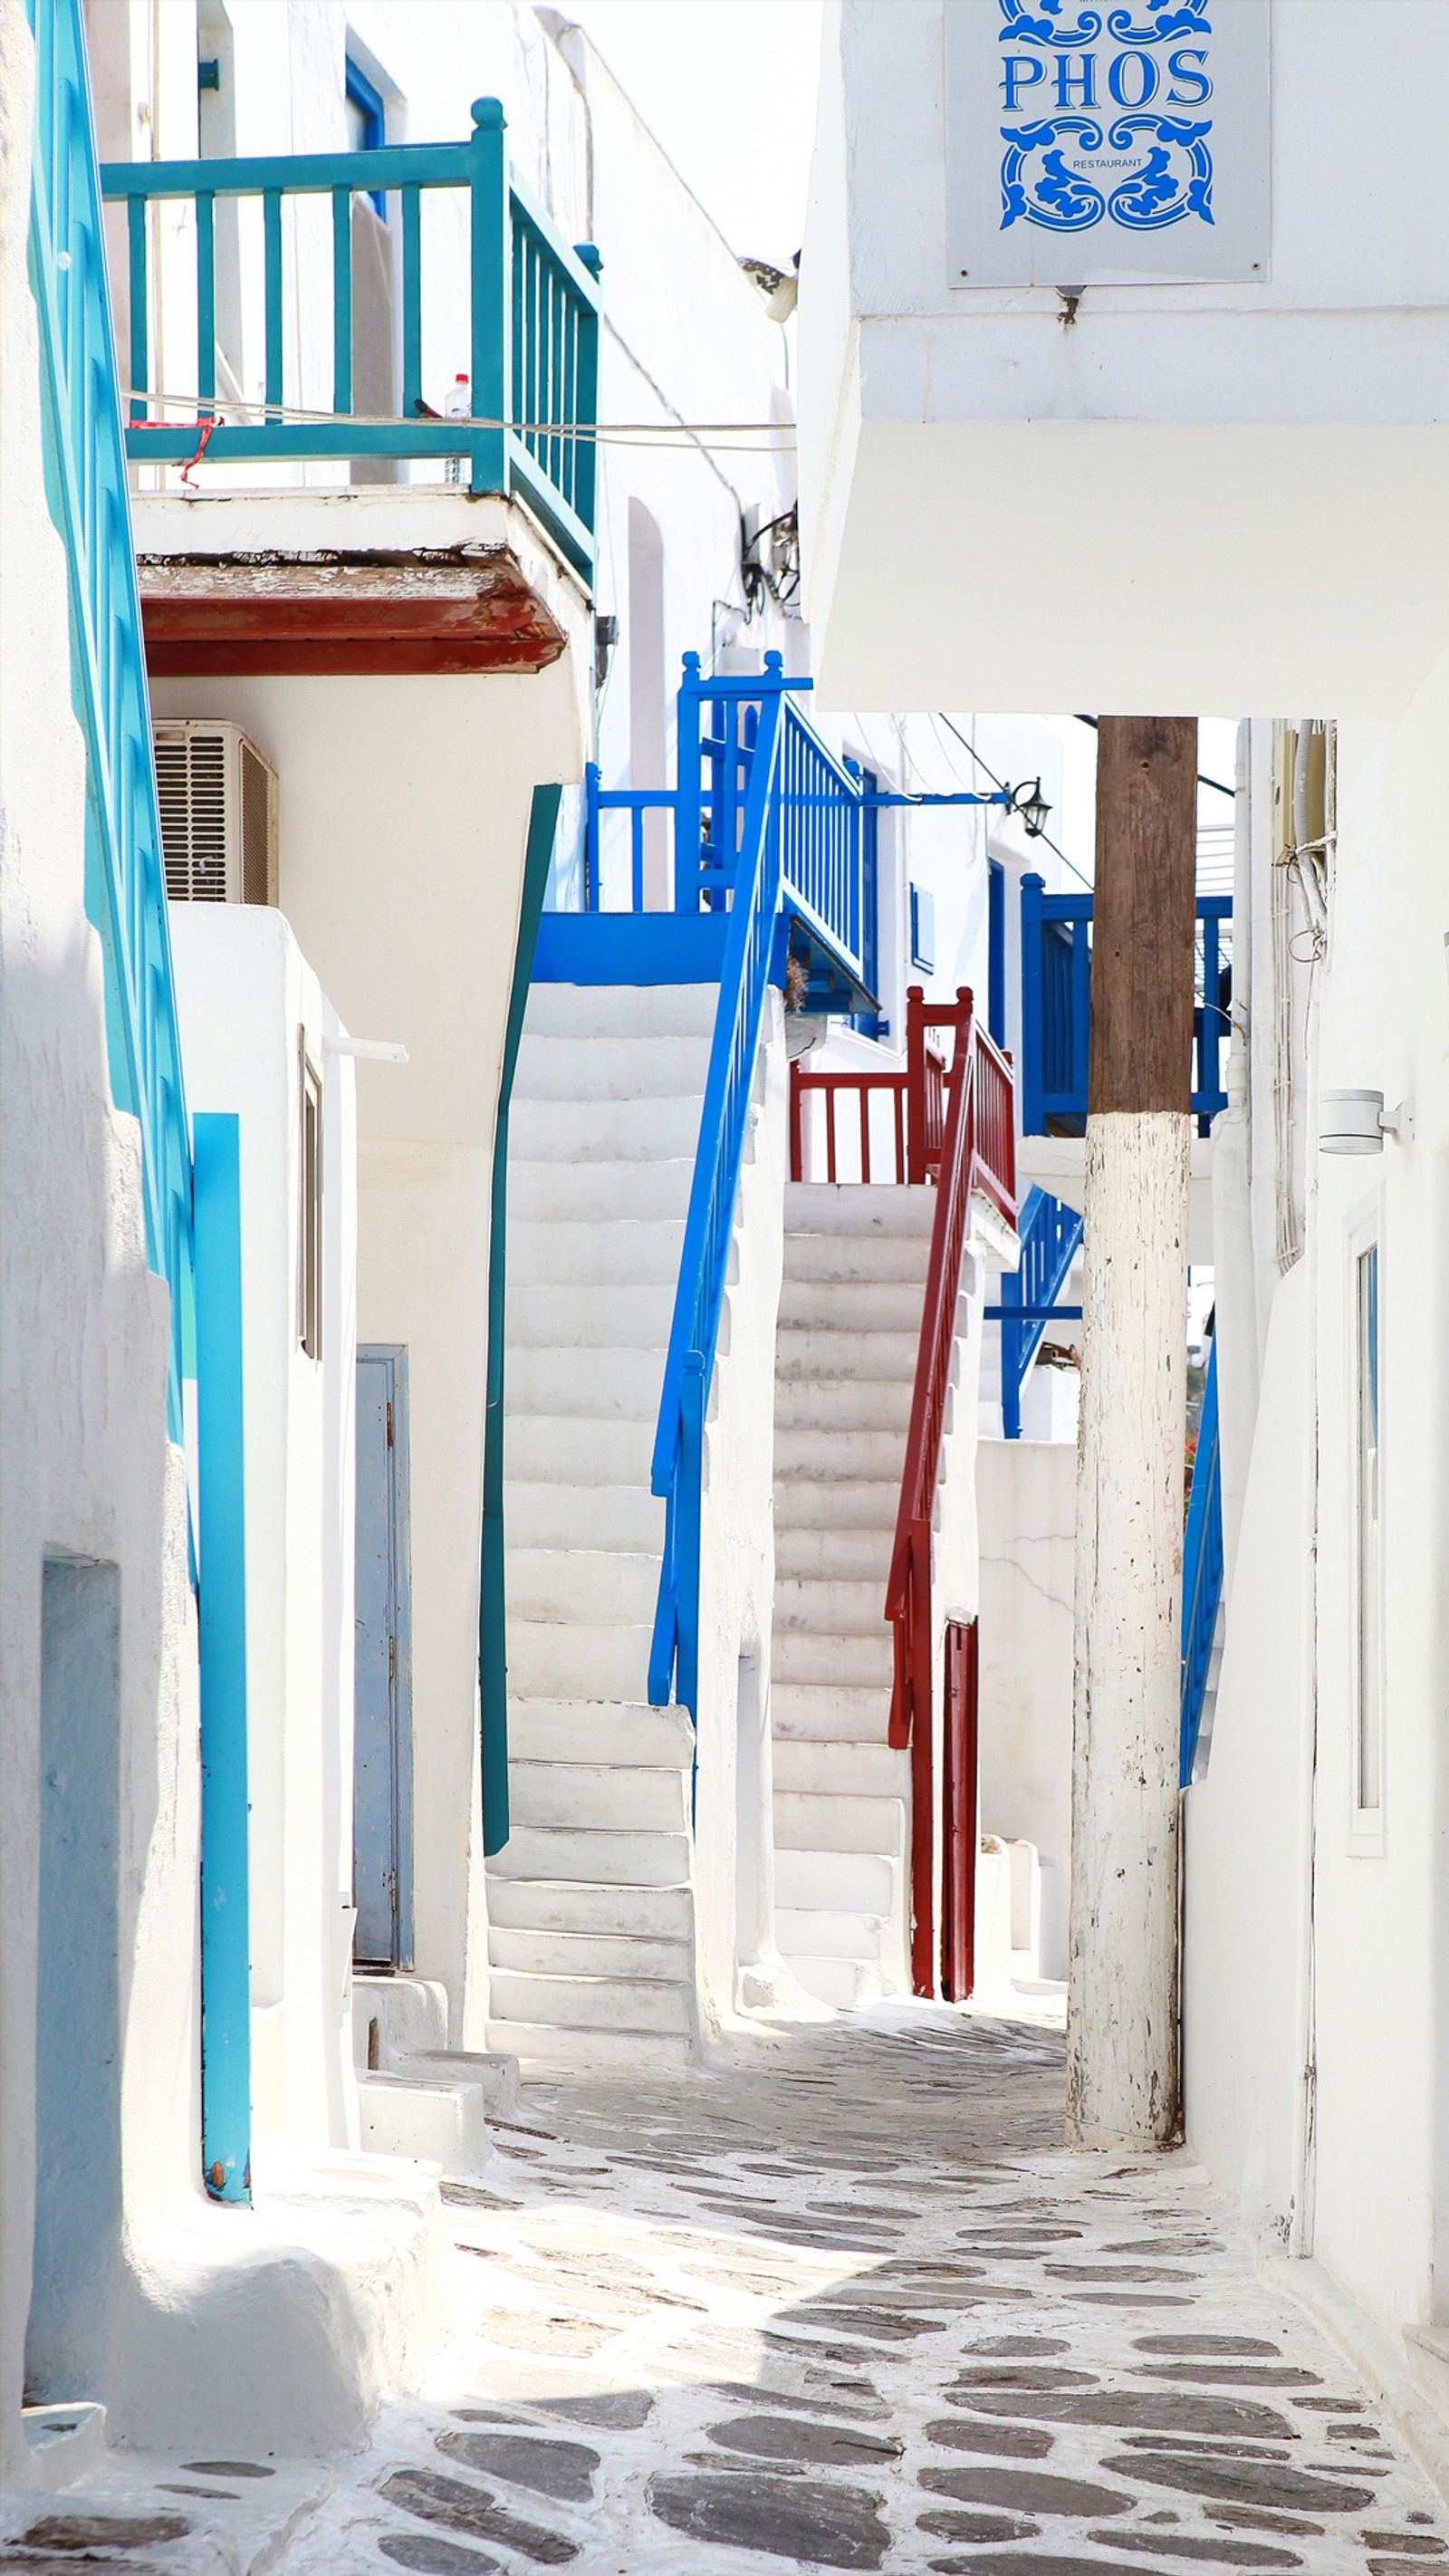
(491, 244)
(1033, 888)
(592, 854)
(915, 1086)
(688, 796)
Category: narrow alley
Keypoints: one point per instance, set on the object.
(843, 2303)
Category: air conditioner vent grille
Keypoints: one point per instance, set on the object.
(191, 780)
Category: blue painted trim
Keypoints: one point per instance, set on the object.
(363, 95)
(225, 1900)
(996, 951)
(630, 948)
(1056, 981)
(1202, 1570)
(492, 1586)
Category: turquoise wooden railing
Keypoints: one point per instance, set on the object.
(533, 335)
(86, 487)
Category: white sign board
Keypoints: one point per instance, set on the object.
(1091, 144)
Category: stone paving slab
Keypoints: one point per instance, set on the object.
(843, 2303)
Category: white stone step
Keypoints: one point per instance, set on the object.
(569, 1905)
(634, 1315)
(809, 1501)
(855, 1555)
(595, 1859)
(843, 1983)
(606, 1731)
(857, 1663)
(625, 1251)
(848, 1404)
(841, 1769)
(852, 1305)
(590, 2003)
(819, 1453)
(626, 1519)
(579, 1012)
(550, 1659)
(575, 1132)
(394, 2017)
(804, 1822)
(828, 1713)
(599, 1797)
(603, 1587)
(439, 2116)
(857, 1208)
(642, 1065)
(602, 1385)
(826, 1261)
(826, 1354)
(807, 1934)
(564, 1449)
(590, 1954)
(572, 1193)
(850, 1608)
(833, 1882)
(544, 2050)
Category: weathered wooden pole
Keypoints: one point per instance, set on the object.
(1122, 2006)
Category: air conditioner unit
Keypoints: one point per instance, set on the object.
(218, 814)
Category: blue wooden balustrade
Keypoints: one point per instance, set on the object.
(533, 335)
(192, 1235)
(87, 490)
(1056, 982)
(1050, 1234)
(1202, 1568)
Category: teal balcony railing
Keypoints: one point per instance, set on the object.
(533, 336)
(86, 478)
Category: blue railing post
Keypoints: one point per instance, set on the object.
(586, 393)
(492, 350)
(592, 900)
(1202, 1569)
(689, 799)
(1030, 1070)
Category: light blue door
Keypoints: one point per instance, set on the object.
(382, 1803)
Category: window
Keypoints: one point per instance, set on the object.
(309, 1267)
(923, 930)
(1368, 1571)
(366, 122)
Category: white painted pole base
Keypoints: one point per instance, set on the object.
(1122, 1996)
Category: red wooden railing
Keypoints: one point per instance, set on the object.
(977, 1151)
(829, 1089)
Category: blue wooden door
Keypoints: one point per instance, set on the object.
(382, 1758)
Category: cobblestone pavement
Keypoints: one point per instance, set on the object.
(848, 2305)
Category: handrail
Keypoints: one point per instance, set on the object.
(533, 337)
(1202, 1568)
(86, 475)
(977, 1152)
(744, 854)
(1050, 1235)
(830, 1089)
(1056, 973)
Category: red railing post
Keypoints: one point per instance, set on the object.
(915, 1086)
(797, 1140)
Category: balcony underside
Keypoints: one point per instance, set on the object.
(462, 610)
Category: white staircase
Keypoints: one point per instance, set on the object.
(589, 1903)
(850, 1320)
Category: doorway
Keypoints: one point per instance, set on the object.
(382, 1839)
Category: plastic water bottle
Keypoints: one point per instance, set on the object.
(459, 407)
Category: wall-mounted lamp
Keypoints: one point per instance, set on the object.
(1356, 1122)
(1033, 808)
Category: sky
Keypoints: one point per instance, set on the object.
(728, 88)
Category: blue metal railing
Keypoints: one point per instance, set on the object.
(533, 336)
(1202, 1567)
(743, 858)
(1050, 1234)
(818, 815)
(86, 479)
(1056, 970)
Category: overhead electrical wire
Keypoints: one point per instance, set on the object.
(1000, 782)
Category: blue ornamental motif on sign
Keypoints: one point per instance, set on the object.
(1068, 172)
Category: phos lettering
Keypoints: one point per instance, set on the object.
(1201, 87)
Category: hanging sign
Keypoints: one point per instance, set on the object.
(1113, 143)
